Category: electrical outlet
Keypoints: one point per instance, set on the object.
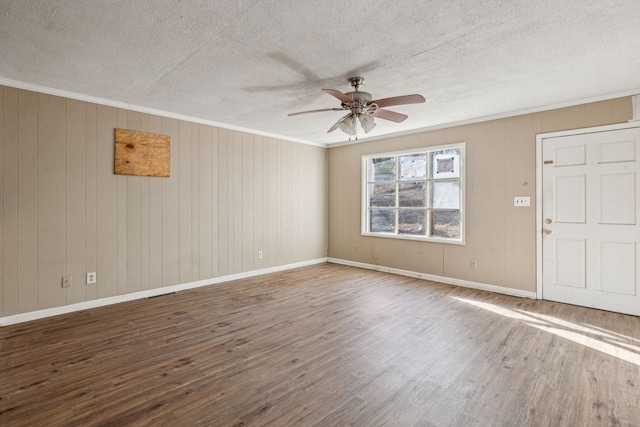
(473, 265)
(91, 278)
(66, 281)
(259, 254)
(522, 201)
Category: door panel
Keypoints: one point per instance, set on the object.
(590, 232)
(617, 151)
(571, 260)
(618, 267)
(617, 198)
(571, 155)
(569, 199)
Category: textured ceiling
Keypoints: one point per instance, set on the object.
(249, 63)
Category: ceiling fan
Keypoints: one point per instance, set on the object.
(362, 108)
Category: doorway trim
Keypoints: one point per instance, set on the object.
(539, 139)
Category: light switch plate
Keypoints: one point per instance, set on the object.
(522, 201)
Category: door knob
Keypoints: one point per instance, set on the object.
(548, 221)
(547, 232)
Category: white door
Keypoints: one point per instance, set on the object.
(590, 208)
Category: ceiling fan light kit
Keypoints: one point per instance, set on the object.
(363, 108)
(367, 123)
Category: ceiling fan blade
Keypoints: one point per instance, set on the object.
(390, 115)
(341, 96)
(335, 125)
(314, 111)
(398, 100)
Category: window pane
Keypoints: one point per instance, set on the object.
(413, 166)
(382, 169)
(411, 222)
(382, 195)
(445, 164)
(382, 220)
(413, 194)
(445, 224)
(445, 194)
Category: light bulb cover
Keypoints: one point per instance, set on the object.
(367, 122)
(348, 125)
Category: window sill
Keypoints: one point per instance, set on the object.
(415, 238)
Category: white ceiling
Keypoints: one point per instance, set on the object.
(249, 63)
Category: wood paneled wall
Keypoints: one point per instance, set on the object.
(64, 212)
(500, 164)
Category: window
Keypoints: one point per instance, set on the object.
(415, 194)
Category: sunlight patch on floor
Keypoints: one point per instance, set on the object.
(599, 339)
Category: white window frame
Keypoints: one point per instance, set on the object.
(364, 220)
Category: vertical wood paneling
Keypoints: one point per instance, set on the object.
(280, 204)
(10, 203)
(51, 201)
(481, 199)
(195, 206)
(298, 197)
(512, 187)
(498, 196)
(27, 201)
(525, 129)
(273, 166)
(76, 200)
(621, 107)
(155, 217)
(307, 195)
(186, 267)
(215, 200)
(285, 179)
(133, 216)
(171, 208)
(145, 216)
(264, 156)
(248, 208)
(2, 89)
(92, 199)
(205, 202)
(258, 206)
(235, 176)
(577, 117)
(314, 212)
(122, 219)
(342, 248)
(595, 113)
(289, 161)
(64, 212)
(224, 221)
(107, 202)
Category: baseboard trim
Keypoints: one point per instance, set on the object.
(55, 311)
(441, 279)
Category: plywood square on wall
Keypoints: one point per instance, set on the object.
(142, 153)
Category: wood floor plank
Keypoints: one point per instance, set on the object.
(324, 345)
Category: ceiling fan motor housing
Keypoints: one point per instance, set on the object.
(360, 99)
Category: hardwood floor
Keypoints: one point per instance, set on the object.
(326, 345)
